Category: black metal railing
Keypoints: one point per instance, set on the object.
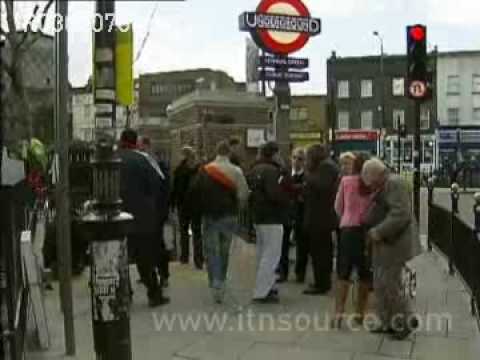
(15, 204)
(460, 243)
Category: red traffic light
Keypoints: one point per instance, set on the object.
(417, 33)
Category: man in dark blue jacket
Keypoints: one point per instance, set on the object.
(139, 184)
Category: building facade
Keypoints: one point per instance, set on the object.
(458, 88)
(365, 98)
(37, 77)
(308, 120)
(203, 118)
(458, 106)
(83, 115)
(158, 90)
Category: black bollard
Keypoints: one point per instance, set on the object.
(430, 187)
(473, 255)
(454, 194)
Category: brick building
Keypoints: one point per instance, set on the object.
(366, 99)
(203, 118)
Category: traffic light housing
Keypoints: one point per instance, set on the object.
(417, 59)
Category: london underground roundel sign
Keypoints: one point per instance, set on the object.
(280, 26)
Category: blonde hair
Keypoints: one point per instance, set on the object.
(347, 156)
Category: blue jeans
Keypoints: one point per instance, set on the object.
(217, 241)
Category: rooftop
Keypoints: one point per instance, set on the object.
(229, 97)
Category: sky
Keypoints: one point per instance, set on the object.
(204, 33)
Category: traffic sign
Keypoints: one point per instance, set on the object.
(418, 89)
(290, 76)
(287, 62)
(280, 26)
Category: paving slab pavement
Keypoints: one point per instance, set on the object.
(296, 329)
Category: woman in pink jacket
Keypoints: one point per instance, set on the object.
(352, 204)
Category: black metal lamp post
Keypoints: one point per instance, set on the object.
(105, 224)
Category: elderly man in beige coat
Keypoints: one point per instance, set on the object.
(394, 240)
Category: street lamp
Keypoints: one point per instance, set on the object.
(382, 92)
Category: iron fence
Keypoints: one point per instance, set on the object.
(460, 243)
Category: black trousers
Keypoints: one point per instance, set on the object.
(143, 248)
(302, 251)
(163, 257)
(284, 264)
(321, 252)
(186, 222)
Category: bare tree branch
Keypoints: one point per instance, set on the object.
(45, 12)
(12, 28)
(32, 18)
(36, 35)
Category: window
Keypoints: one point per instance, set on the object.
(453, 115)
(424, 117)
(88, 113)
(453, 84)
(343, 120)
(366, 88)
(367, 120)
(159, 89)
(298, 114)
(155, 90)
(343, 89)
(476, 114)
(476, 84)
(398, 87)
(398, 118)
(303, 114)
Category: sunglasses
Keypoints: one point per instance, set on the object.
(298, 158)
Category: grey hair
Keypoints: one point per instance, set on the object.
(372, 169)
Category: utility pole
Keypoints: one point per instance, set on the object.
(106, 224)
(417, 66)
(282, 115)
(382, 95)
(63, 186)
(264, 84)
(416, 162)
(332, 112)
(399, 140)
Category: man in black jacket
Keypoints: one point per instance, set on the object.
(270, 201)
(220, 190)
(163, 202)
(295, 222)
(182, 179)
(139, 184)
(322, 176)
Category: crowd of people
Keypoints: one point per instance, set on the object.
(356, 215)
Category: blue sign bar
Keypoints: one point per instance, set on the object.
(293, 63)
(290, 76)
